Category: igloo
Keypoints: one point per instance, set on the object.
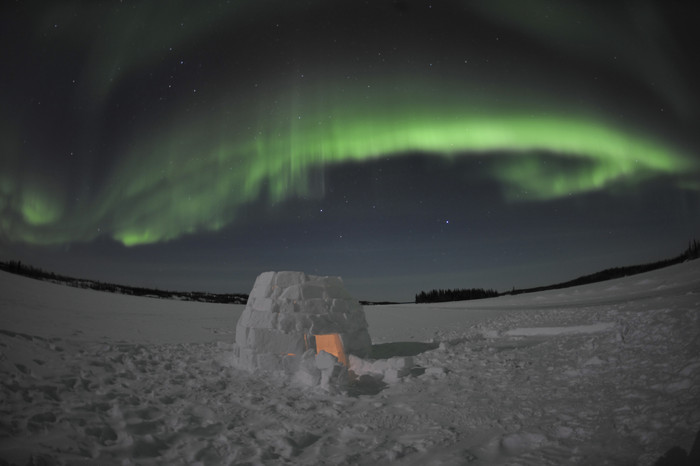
(294, 323)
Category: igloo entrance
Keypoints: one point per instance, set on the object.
(332, 344)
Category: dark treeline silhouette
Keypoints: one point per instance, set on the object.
(436, 296)
(378, 303)
(17, 267)
(441, 296)
(28, 270)
(692, 252)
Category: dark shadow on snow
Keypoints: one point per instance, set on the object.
(677, 456)
(369, 385)
(401, 348)
(365, 385)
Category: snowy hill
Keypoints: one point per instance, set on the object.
(607, 373)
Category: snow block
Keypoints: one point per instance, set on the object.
(333, 288)
(308, 374)
(358, 342)
(323, 323)
(325, 360)
(315, 306)
(257, 319)
(333, 373)
(345, 306)
(358, 365)
(263, 285)
(292, 293)
(288, 307)
(334, 377)
(312, 291)
(285, 312)
(265, 305)
(293, 323)
(241, 335)
(244, 319)
(286, 279)
(397, 368)
(274, 341)
(390, 370)
(260, 319)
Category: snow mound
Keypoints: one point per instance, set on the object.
(302, 325)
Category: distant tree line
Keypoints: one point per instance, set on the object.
(463, 294)
(17, 267)
(438, 296)
(692, 252)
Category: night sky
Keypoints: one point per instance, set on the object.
(403, 145)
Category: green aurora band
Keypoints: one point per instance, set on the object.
(194, 175)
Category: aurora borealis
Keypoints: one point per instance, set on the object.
(193, 145)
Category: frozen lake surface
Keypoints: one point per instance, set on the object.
(607, 373)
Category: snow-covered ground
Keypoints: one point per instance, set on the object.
(601, 374)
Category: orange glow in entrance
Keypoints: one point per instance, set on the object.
(331, 343)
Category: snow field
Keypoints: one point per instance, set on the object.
(603, 374)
